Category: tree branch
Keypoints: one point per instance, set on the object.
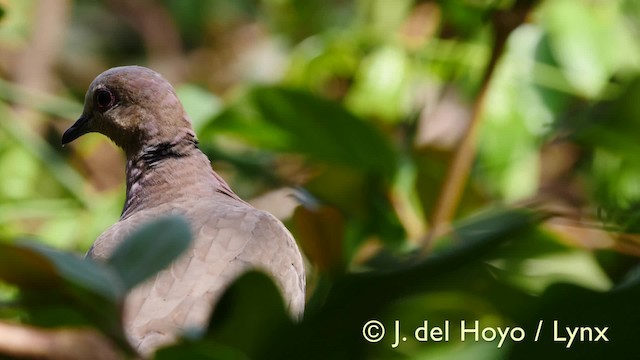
(22, 341)
(504, 22)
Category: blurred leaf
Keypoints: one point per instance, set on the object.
(510, 164)
(364, 202)
(61, 289)
(380, 88)
(296, 121)
(608, 131)
(236, 313)
(46, 103)
(26, 268)
(539, 261)
(51, 160)
(257, 166)
(27, 171)
(573, 306)
(199, 104)
(238, 328)
(320, 234)
(200, 350)
(586, 39)
(324, 64)
(150, 249)
(382, 18)
(468, 18)
(82, 273)
(36, 267)
(300, 18)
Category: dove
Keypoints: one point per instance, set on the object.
(166, 173)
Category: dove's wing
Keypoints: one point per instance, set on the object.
(230, 237)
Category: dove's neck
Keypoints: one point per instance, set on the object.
(171, 171)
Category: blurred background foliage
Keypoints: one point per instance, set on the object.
(368, 126)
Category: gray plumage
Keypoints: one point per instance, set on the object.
(167, 173)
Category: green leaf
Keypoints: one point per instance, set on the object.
(201, 105)
(238, 313)
(150, 249)
(62, 289)
(35, 267)
(573, 306)
(475, 238)
(381, 86)
(587, 41)
(540, 260)
(26, 268)
(199, 350)
(249, 313)
(85, 274)
(297, 121)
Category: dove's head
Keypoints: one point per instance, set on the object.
(133, 106)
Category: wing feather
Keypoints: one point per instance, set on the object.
(230, 237)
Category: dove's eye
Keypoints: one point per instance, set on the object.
(104, 99)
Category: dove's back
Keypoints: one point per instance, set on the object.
(230, 237)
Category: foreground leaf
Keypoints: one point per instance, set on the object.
(150, 249)
(247, 316)
(62, 289)
(296, 121)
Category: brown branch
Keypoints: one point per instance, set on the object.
(504, 22)
(26, 342)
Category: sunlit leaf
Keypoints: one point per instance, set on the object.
(199, 104)
(82, 273)
(538, 261)
(583, 40)
(62, 289)
(380, 90)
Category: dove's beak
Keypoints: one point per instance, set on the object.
(76, 130)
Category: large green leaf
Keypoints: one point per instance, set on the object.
(568, 305)
(245, 318)
(26, 268)
(84, 273)
(62, 289)
(150, 249)
(36, 267)
(59, 288)
(297, 121)
(590, 40)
